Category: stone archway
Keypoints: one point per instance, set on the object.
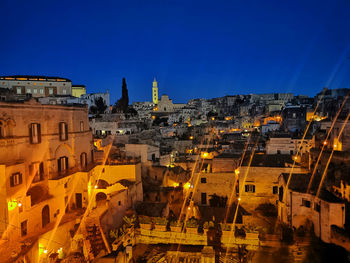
(101, 197)
(102, 184)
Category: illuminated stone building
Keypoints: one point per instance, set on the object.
(37, 86)
(155, 92)
(298, 207)
(166, 105)
(45, 153)
(78, 90)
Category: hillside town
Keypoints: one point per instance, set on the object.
(238, 178)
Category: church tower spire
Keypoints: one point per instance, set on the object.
(155, 91)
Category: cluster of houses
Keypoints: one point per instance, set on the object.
(62, 166)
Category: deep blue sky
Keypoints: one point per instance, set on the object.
(194, 48)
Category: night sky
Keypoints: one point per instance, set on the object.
(196, 49)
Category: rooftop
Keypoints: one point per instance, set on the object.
(299, 183)
(34, 77)
(268, 160)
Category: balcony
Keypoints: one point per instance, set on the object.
(70, 171)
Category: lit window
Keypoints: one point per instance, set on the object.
(64, 91)
(62, 164)
(15, 179)
(41, 91)
(63, 129)
(249, 188)
(35, 91)
(19, 90)
(50, 91)
(35, 133)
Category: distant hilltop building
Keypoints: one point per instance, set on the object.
(155, 92)
(41, 86)
(164, 104)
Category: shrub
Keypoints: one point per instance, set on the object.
(267, 209)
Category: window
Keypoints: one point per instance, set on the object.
(119, 203)
(280, 194)
(24, 228)
(64, 91)
(62, 163)
(2, 130)
(83, 160)
(35, 133)
(203, 180)
(41, 91)
(275, 190)
(66, 185)
(29, 90)
(291, 152)
(317, 207)
(81, 126)
(63, 128)
(278, 151)
(249, 188)
(19, 90)
(15, 179)
(35, 91)
(305, 202)
(37, 169)
(203, 198)
(50, 91)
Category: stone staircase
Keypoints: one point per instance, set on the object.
(95, 239)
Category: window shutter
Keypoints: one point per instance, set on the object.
(11, 181)
(39, 133)
(66, 160)
(20, 178)
(66, 131)
(59, 165)
(253, 188)
(41, 170)
(60, 130)
(30, 133)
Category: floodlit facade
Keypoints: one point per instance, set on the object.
(45, 152)
(155, 92)
(78, 90)
(37, 86)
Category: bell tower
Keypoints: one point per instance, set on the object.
(155, 91)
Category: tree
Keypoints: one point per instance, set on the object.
(99, 107)
(122, 104)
